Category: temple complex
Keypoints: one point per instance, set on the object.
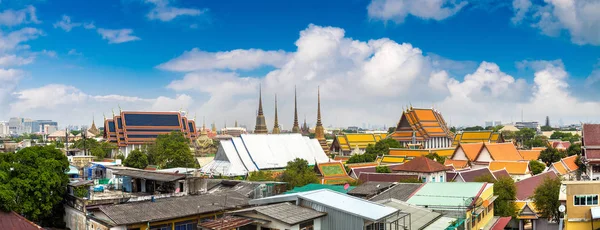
(130, 130)
(261, 125)
(423, 128)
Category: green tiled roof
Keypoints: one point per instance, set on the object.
(451, 194)
(312, 187)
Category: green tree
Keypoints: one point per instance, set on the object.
(506, 191)
(582, 167)
(87, 143)
(536, 167)
(136, 159)
(382, 147)
(261, 175)
(551, 155)
(170, 151)
(75, 132)
(508, 135)
(434, 156)
(546, 128)
(360, 158)
(98, 152)
(574, 149)
(546, 200)
(391, 130)
(453, 129)
(486, 178)
(33, 182)
(298, 173)
(537, 141)
(474, 128)
(382, 169)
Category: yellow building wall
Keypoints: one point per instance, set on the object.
(144, 226)
(486, 216)
(569, 225)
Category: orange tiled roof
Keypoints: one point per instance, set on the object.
(457, 164)
(408, 152)
(570, 163)
(512, 167)
(539, 148)
(426, 123)
(444, 152)
(503, 151)
(560, 168)
(530, 154)
(471, 150)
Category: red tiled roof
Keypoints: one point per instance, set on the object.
(592, 153)
(14, 221)
(591, 134)
(501, 223)
(526, 187)
(500, 173)
(565, 144)
(385, 177)
(420, 164)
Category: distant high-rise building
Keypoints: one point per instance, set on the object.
(547, 121)
(492, 123)
(4, 131)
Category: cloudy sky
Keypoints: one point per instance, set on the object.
(472, 60)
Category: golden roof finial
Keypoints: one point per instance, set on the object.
(119, 108)
(113, 111)
(104, 116)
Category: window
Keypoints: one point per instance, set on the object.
(161, 227)
(308, 225)
(433, 179)
(585, 200)
(441, 178)
(424, 179)
(188, 225)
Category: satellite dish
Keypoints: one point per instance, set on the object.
(561, 208)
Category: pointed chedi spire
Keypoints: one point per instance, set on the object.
(261, 125)
(296, 128)
(236, 124)
(276, 129)
(319, 130)
(203, 131)
(93, 129)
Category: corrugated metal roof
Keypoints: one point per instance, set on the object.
(335, 200)
(349, 204)
(419, 217)
(285, 212)
(227, 222)
(453, 194)
(150, 175)
(313, 187)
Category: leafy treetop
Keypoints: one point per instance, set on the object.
(298, 173)
(546, 200)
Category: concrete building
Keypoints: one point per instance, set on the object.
(4, 129)
(582, 210)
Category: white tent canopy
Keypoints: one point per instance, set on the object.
(253, 152)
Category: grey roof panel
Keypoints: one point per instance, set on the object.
(401, 191)
(285, 212)
(147, 174)
(174, 207)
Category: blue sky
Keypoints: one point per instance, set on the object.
(70, 58)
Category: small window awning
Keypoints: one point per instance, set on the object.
(595, 212)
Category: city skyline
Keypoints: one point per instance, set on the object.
(472, 61)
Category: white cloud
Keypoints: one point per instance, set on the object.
(89, 25)
(164, 12)
(117, 36)
(8, 60)
(361, 79)
(74, 52)
(520, 7)
(581, 19)
(13, 39)
(49, 53)
(52, 101)
(196, 59)
(66, 24)
(398, 10)
(594, 76)
(9, 79)
(17, 17)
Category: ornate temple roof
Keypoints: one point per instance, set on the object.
(424, 123)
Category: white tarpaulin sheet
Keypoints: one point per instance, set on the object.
(595, 212)
(252, 152)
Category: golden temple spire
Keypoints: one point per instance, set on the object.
(236, 124)
(296, 127)
(119, 105)
(214, 127)
(319, 130)
(276, 129)
(203, 131)
(261, 125)
(113, 111)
